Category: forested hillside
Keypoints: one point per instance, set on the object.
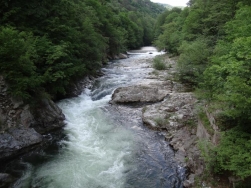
(213, 42)
(44, 45)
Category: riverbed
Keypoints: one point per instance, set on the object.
(105, 145)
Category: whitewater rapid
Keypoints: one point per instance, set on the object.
(101, 149)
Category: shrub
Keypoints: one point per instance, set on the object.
(233, 153)
(193, 60)
(208, 154)
(161, 121)
(158, 63)
(203, 117)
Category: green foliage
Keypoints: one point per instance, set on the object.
(45, 45)
(169, 34)
(208, 18)
(208, 154)
(137, 19)
(204, 119)
(193, 60)
(233, 154)
(17, 52)
(159, 63)
(228, 78)
(212, 39)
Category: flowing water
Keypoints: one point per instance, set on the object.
(105, 147)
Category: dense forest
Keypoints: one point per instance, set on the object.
(45, 45)
(212, 39)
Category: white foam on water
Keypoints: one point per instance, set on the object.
(100, 152)
(94, 154)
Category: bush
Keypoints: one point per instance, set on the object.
(158, 63)
(18, 67)
(233, 153)
(162, 122)
(193, 60)
(208, 154)
(205, 121)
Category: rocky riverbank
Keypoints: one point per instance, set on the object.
(166, 106)
(22, 126)
(157, 100)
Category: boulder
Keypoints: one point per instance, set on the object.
(48, 117)
(16, 141)
(190, 181)
(139, 94)
(122, 56)
(5, 180)
(76, 87)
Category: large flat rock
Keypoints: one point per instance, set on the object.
(140, 94)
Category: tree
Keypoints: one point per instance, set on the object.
(61, 41)
(18, 67)
(228, 79)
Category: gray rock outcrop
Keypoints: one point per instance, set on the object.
(173, 113)
(177, 116)
(76, 87)
(140, 94)
(47, 117)
(123, 56)
(21, 125)
(184, 142)
(16, 140)
(5, 180)
(117, 56)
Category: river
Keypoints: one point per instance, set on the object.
(105, 146)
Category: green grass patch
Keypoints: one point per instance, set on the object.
(190, 123)
(156, 73)
(161, 121)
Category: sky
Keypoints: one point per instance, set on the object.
(172, 2)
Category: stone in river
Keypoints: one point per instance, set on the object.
(139, 94)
